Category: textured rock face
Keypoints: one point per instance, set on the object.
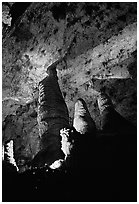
(101, 43)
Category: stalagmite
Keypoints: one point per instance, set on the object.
(52, 117)
(9, 153)
(83, 123)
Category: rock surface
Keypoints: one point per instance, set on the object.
(102, 40)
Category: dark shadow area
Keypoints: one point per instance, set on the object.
(17, 10)
(106, 170)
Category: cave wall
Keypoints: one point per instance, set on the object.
(101, 38)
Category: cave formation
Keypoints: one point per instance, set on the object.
(99, 41)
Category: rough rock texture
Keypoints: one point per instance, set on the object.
(102, 41)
